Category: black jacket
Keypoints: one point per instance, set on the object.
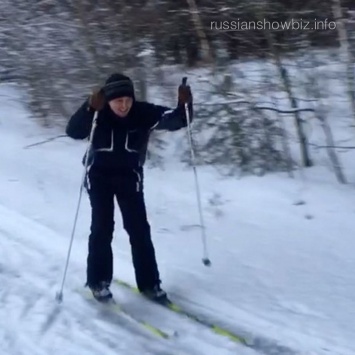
(120, 144)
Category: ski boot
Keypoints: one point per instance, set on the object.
(156, 294)
(101, 292)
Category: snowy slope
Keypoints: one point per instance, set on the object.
(281, 274)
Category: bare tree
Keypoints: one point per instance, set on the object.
(206, 49)
(346, 53)
(315, 83)
(286, 81)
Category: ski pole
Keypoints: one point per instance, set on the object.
(206, 260)
(59, 294)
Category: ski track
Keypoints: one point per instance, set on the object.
(30, 291)
(39, 306)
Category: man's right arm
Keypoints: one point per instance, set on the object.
(79, 125)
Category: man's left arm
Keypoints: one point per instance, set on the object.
(165, 118)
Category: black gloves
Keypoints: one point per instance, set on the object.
(97, 100)
(184, 93)
(185, 97)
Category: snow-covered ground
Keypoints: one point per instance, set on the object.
(282, 271)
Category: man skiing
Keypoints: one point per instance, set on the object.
(115, 170)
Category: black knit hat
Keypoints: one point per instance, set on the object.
(118, 85)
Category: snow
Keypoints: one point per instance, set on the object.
(282, 253)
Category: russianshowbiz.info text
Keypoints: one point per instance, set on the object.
(290, 25)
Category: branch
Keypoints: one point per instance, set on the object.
(45, 141)
(285, 111)
(231, 93)
(255, 107)
(330, 146)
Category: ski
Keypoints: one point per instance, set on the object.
(181, 311)
(113, 306)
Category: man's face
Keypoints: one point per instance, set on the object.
(121, 105)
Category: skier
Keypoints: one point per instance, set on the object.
(115, 169)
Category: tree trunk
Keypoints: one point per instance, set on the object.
(288, 88)
(345, 51)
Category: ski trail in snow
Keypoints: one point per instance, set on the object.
(31, 303)
(32, 300)
(259, 343)
(31, 319)
(31, 273)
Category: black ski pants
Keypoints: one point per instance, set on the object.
(127, 188)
